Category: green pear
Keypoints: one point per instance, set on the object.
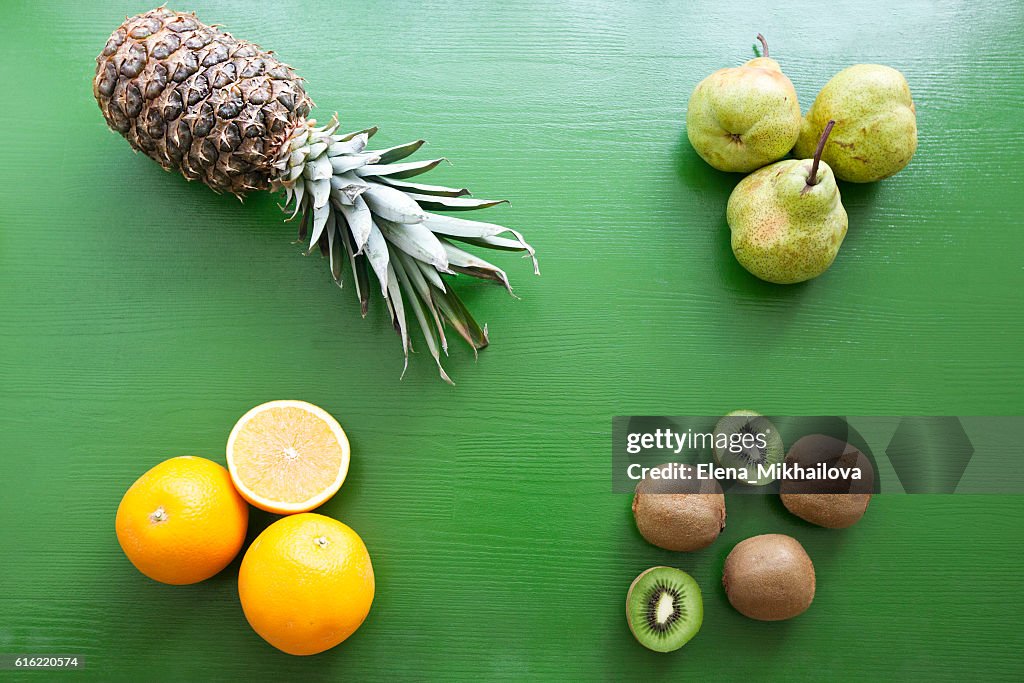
(787, 220)
(876, 125)
(743, 118)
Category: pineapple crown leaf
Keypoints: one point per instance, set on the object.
(359, 206)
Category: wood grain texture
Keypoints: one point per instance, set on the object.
(140, 316)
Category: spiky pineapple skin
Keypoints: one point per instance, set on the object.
(197, 100)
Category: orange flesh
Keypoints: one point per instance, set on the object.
(288, 455)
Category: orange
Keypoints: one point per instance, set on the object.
(306, 583)
(182, 521)
(287, 456)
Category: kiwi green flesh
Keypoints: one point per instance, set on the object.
(664, 608)
(749, 422)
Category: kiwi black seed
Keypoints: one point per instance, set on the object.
(664, 608)
(769, 577)
(831, 503)
(679, 514)
(745, 439)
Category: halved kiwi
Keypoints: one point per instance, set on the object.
(664, 608)
(745, 439)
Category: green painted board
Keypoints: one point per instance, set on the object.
(140, 316)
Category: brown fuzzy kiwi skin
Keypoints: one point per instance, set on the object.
(769, 578)
(830, 510)
(831, 504)
(679, 515)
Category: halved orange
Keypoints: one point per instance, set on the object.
(287, 456)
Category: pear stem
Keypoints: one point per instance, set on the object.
(812, 179)
(764, 45)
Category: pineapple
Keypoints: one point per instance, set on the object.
(223, 111)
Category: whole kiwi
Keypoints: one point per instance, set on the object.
(679, 514)
(769, 577)
(831, 503)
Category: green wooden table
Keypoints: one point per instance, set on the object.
(142, 315)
